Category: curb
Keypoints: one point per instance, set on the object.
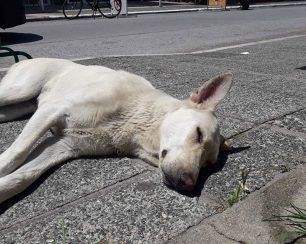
(245, 221)
(135, 13)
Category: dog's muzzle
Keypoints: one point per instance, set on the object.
(180, 181)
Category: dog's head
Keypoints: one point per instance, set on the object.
(190, 137)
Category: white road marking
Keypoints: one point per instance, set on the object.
(78, 59)
(3, 69)
(213, 49)
(190, 53)
(249, 44)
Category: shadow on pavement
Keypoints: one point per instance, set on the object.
(206, 172)
(302, 68)
(10, 38)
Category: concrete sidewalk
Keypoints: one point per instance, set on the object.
(122, 200)
(246, 221)
(138, 9)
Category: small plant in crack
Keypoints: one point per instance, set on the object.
(241, 190)
(64, 233)
(235, 197)
(295, 218)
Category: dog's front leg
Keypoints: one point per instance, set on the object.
(48, 154)
(148, 157)
(43, 119)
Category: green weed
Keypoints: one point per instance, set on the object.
(64, 233)
(242, 187)
(235, 197)
(296, 218)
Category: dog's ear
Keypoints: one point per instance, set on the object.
(212, 92)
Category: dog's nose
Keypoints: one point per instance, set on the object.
(186, 182)
(181, 181)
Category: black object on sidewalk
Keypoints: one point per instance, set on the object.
(12, 13)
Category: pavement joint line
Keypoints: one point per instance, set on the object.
(222, 234)
(57, 209)
(261, 124)
(288, 132)
(192, 226)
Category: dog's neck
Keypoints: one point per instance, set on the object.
(147, 115)
(152, 110)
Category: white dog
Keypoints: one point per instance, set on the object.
(93, 110)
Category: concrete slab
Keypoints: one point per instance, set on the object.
(66, 184)
(136, 211)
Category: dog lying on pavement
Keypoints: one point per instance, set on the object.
(94, 110)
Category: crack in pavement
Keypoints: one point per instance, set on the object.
(222, 234)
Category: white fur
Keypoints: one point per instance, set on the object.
(93, 110)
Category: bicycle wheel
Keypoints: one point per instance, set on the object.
(72, 8)
(109, 8)
(245, 4)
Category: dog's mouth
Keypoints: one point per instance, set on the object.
(167, 181)
(177, 186)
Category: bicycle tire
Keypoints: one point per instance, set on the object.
(109, 8)
(245, 4)
(72, 8)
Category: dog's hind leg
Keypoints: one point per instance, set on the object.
(49, 153)
(21, 83)
(14, 111)
(43, 119)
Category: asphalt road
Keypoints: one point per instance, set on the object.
(151, 34)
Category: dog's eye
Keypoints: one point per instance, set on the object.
(164, 153)
(199, 135)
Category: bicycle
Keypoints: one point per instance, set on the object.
(107, 8)
(245, 4)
